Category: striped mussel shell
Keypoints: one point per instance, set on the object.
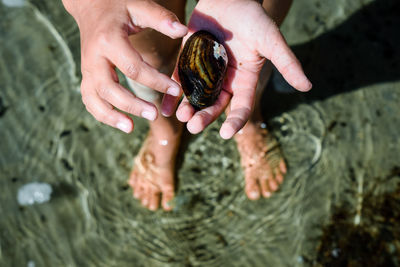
(201, 68)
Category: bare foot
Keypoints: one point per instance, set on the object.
(261, 160)
(152, 177)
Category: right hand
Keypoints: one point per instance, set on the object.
(104, 28)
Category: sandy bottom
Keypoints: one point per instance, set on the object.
(338, 204)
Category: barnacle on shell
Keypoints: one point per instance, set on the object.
(201, 67)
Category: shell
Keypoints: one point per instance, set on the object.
(201, 68)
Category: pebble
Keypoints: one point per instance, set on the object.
(34, 193)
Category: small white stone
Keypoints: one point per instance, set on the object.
(14, 3)
(34, 193)
(31, 264)
(335, 252)
(300, 259)
(163, 142)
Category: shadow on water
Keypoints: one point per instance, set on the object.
(361, 51)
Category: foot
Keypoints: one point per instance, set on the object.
(152, 177)
(261, 160)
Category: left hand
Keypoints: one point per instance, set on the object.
(250, 37)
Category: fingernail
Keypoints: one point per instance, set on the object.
(174, 91)
(124, 125)
(178, 26)
(166, 111)
(150, 115)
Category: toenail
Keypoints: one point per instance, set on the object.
(267, 194)
(144, 202)
(254, 195)
(152, 207)
(167, 206)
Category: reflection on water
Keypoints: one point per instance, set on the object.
(337, 206)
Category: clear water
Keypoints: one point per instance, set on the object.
(338, 206)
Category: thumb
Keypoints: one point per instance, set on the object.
(148, 14)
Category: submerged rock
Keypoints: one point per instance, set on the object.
(34, 193)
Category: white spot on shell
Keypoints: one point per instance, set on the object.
(34, 193)
(219, 51)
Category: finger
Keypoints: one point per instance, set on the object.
(274, 47)
(204, 117)
(243, 86)
(129, 61)
(185, 111)
(169, 103)
(104, 112)
(124, 100)
(119, 97)
(148, 14)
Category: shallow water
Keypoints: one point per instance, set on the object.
(339, 203)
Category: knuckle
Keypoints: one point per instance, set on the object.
(132, 109)
(104, 38)
(101, 116)
(103, 91)
(132, 70)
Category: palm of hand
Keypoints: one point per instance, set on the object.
(250, 37)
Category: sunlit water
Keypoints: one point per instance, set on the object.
(64, 197)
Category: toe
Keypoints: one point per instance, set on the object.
(282, 166)
(252, 188)
(154, 199)
(132, 179)
(145, 200)
(272, 184)
(264, 184)
(279, 177)
(138, 189)
(264, 187)
(167, 196)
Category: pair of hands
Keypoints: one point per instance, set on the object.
(249, 35)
